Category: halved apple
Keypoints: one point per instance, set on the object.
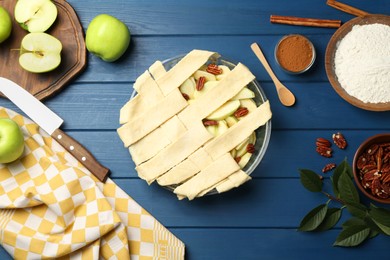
(245, 93)
(35, 15)
(40, 52)
(225, 110)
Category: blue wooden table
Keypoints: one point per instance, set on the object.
(259, 219)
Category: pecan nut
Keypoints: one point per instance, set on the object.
(214, 69)
(210, 122)
(323, 142)
(185, 96)
(241, 111)
(200, 83)
(328, 167)
(324, 151)
(339, 140)
(374, 169)
(250, 148)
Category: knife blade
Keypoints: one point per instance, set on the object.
(50, 122)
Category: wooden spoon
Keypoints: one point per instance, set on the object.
(285, 96)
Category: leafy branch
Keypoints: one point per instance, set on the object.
(366, 222)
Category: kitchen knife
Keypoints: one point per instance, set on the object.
(50, 122)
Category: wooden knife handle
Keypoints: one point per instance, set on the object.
(81, 154)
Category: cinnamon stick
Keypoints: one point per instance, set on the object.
(346, 8)
(291, 20)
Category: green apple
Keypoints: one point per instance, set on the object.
(35, 15)
(11, 141)
(40, 52)
(107, 37)
(5, 24)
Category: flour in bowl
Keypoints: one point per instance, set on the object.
(362, 63)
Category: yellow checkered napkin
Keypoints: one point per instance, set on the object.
(52, 207)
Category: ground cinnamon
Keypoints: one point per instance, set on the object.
(294, 53)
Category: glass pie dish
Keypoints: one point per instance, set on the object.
(263, 133)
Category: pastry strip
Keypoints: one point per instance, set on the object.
(238, 132)
(142, 150)
(157, 70)
(156, 115)
(157, 140)
(214, 173)
(201, 158)
(174, 153)
(187, 168)
(148, 93)
(233, 181)
(179, 173)
(227, 88)
(183, 70)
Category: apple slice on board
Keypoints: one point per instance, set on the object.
(35, 15)
(40, 52)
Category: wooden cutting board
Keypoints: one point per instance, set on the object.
(68, 30)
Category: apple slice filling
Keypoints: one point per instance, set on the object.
(226, 115)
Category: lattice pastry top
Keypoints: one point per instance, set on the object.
(192, 126)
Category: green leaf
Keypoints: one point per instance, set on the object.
(314, 218)
(381, 217)
(343, 167)
(373, 233)
(348, 191)
(358, 222)
(310, 180)
(331, 218)
(372, 225)
(347, 167)
(357, 209)
(352, 236)
(353, 222)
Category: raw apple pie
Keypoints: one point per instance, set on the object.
(193, 127)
